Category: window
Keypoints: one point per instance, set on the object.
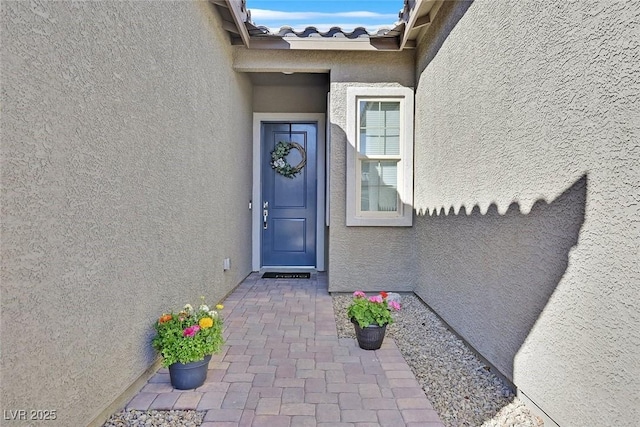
(380, 156)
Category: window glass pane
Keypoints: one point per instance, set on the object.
(392, 144)
(374, 119)
(379, 128)
(379, 186)
(391, 112)
(372, 144)
(370, 110)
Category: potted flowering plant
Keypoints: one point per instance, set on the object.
(370, 317)
(186, 340)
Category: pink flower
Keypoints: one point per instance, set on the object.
(190, 331)
(359, 294)
(376, 298)
(395, 305)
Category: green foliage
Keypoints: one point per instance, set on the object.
(281, 150)
(369, 311)
(279, 162)
(189, 335)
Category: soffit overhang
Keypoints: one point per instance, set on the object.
(414, 18)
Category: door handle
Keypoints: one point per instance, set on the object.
(265, 214)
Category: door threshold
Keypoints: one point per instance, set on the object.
(300, 269)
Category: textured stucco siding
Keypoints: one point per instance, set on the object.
(351, 66)
(126, 172)
(527, 172)
(290, 99)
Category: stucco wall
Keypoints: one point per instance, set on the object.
(527, 167)
(126, 159)
(287, 99)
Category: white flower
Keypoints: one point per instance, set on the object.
(188, 307)
(280, 163)
(213, 314)
(204, 307)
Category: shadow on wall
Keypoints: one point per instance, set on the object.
(490, 276)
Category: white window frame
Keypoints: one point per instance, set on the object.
(403, 217)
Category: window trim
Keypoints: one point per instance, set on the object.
(403, 217)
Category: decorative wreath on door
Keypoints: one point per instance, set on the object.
(279, 159)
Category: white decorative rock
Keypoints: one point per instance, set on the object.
(392, 296)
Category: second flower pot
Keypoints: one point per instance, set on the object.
(370, 337)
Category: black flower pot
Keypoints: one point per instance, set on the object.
(186, 376)
(369, 337)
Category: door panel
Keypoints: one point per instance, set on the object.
(289, 232)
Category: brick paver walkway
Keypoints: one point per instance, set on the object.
(284, 365)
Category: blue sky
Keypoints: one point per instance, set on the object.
(323, 14)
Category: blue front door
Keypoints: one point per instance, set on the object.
(288, 206)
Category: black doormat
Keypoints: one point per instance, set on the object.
(276, 275)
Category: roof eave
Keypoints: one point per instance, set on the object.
(237, 10)
(418, 15)
(414, 18)
(321, 43)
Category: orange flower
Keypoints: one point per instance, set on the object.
(206, 322)
(384, 295)
(165, 318)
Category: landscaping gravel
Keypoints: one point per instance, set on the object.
(133, 418)
(461, 388)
